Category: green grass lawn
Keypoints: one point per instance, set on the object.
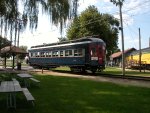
(118, 71)
(74, 95)
(112, 71)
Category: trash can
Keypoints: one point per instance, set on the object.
(18, 66)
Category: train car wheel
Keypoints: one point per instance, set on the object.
(94, 69)
(83, 70)
(72, 69)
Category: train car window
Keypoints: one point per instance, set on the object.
(93, 52)
(42, 54)
(68, 53)
(30, 54)
(47, 54)
(78, 52)
(75, 52)
(61, 54)
(50, 54)
(35, 55)
(55, 54)
(38, 54)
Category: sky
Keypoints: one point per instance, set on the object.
(136, 14)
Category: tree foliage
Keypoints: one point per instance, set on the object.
(91, 22)
(62, 39)
(3, 42)
(117, 2)
(58, 10)
(22, 56)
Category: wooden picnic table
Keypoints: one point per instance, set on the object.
(11, 88)
(24, 75)
(25, 78)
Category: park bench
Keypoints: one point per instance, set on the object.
(35, 80)
(28, 95)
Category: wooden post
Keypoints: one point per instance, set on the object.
(42, 70)
(5, 61)
(140, 49)
(122, 37)
(13, 61)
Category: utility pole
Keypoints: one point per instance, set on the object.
(140, 49)
(120, 3)
(149, 41)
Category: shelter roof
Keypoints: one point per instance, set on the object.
(119, 54)
(13, 49)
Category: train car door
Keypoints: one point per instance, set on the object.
(97, 53)
(93, 54)
(101, 54)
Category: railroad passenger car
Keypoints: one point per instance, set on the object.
(86, 53)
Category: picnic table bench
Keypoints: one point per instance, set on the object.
(25, 77)
(26, 92)
(28, 95)
(35, 80)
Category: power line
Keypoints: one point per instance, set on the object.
(130, 9)
(134, 8)
(130, 29)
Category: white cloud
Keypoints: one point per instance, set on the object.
(102, 5)
(127, 19)
(83, 4)
(45, 33)
(38, 39)
(129, 42)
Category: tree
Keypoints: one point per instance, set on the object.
(3, 42)
(22, 56)
(58, 10)
(62, 39)
(117, 2)
(91, 22)
(11, 17)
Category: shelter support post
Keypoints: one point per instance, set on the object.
(13, 66)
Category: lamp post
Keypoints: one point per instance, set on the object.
(120, 3)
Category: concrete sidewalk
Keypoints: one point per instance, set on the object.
(9, 69)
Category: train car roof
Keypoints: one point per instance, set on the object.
(144, 50)
(84, 39)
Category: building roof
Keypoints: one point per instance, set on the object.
(13, 49)
(144, 50)
(119, 54)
